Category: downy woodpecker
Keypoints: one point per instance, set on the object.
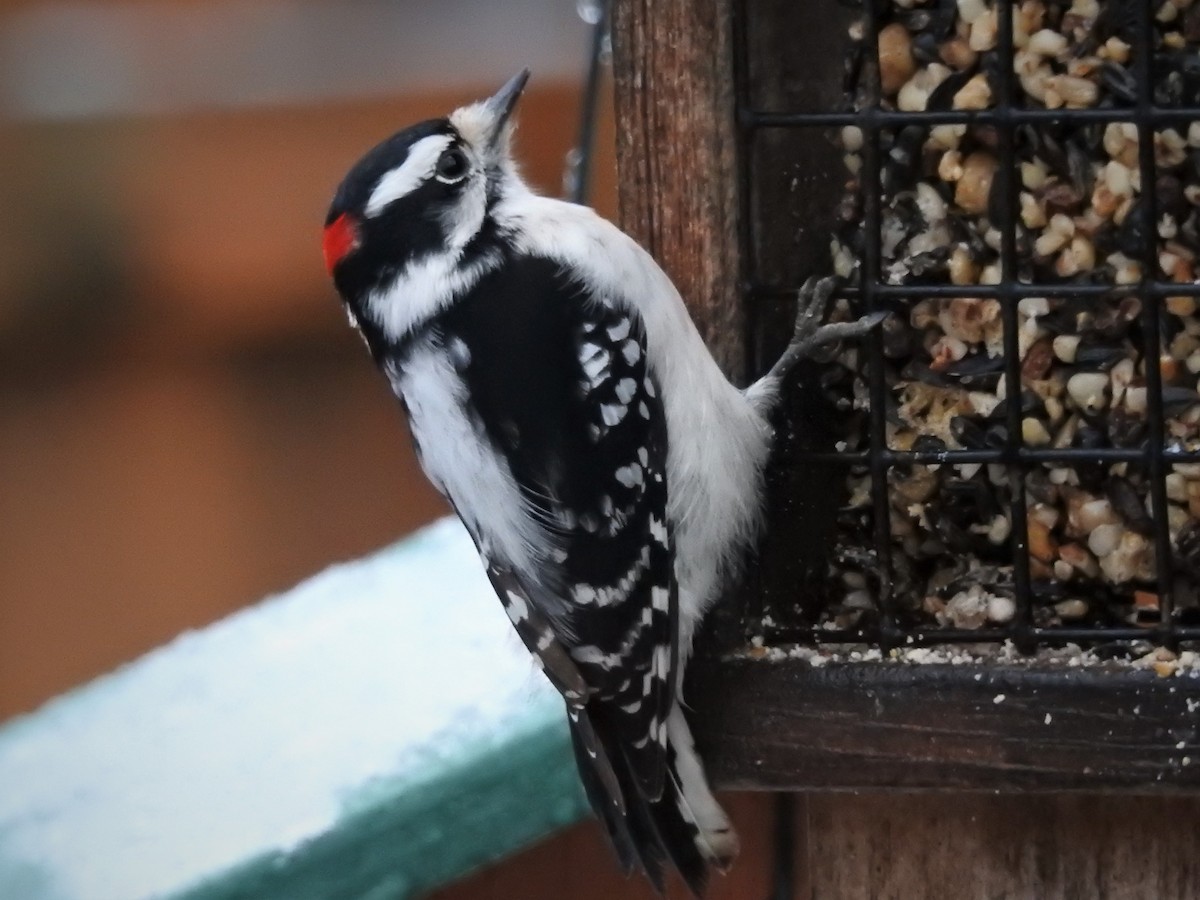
(564, 403)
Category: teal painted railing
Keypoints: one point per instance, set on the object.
(373, 733)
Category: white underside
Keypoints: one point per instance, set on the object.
(456, 460)
(716, 841)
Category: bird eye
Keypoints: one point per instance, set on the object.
(451, 166)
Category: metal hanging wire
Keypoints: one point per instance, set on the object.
(577, 177)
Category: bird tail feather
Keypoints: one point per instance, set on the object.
(685, 827)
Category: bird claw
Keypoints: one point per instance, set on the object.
(810, 334)
(812, 302)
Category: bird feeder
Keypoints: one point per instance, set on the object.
(983, 567)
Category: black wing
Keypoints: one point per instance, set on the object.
(559, 380)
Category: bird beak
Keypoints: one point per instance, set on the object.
(501, 104)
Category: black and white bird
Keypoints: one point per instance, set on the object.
(564, 403)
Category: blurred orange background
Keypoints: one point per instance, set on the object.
(186, 422)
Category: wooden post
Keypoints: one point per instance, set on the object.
(676, 159)
(980, 847)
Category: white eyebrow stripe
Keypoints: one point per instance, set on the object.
(409, 175)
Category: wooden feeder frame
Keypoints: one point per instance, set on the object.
(691, 191)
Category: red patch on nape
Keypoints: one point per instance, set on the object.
(340, 237)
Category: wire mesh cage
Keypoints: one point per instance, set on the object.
(1015, 182)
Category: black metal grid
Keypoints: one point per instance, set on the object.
(1005, 116)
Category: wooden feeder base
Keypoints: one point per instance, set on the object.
(787, 725)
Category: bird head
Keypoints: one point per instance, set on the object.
(424, 192)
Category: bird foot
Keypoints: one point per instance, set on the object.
(812, 303)
(811, 306)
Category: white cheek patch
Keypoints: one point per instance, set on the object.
(416, 169)
(423, 290)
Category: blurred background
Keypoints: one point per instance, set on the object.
(186, 422)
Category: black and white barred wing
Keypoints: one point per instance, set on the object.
(559, 380)
(617, 559)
